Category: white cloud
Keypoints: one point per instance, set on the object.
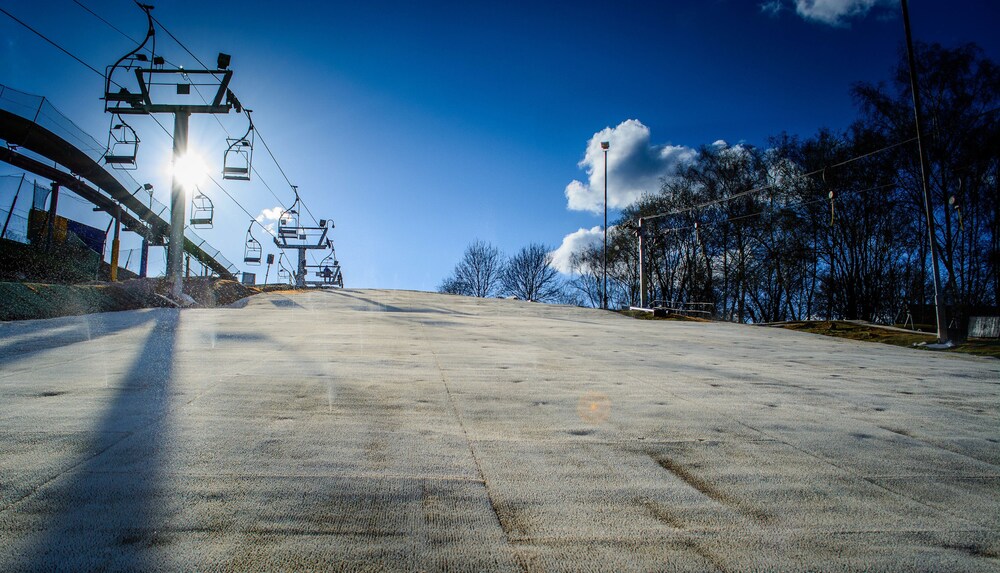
(573, 243)
(772, 7)
(635, 166)
(271, 214)
(836, 12)
(268, 218)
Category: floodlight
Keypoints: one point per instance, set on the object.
(223, 61)
(605, 145)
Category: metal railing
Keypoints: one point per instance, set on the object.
(686, 308)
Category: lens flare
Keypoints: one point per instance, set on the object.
(593, 407)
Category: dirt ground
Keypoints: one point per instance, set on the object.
(875, 333)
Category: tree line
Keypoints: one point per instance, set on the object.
(485, 272)
(827, 226)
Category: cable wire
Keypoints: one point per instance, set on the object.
(773, 185)
(60, 48)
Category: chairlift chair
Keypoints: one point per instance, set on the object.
(284, 276)
(202, 210)
(238, 159)
(251, 253)
(123, 145)
(119, 99)
(288, 224)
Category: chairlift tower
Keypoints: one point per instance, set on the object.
(293, 235)
(168, 90)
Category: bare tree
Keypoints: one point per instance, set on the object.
(585, 268)
(478, 273)
(529, 275)
(452, 285)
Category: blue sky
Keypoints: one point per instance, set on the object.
(419, 127)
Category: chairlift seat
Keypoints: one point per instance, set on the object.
(236, 173)
(238, 158)
(202, 211)
(251, 254)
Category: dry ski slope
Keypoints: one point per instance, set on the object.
(367, 430)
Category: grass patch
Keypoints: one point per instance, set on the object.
(872, 333)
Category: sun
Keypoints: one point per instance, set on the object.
(190, 170)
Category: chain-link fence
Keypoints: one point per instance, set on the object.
(15, 199)
(39, 110)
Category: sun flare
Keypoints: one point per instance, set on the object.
(190, 170)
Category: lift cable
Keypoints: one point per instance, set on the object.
(60, 48)
(762, 188)
(759, 213)
(96, 15)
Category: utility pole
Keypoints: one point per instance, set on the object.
(942, 324)
(642, 264)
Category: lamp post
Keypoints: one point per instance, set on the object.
(144, 253)
(604, 291)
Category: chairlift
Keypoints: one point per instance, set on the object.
(202, 210)
(252, 250)
(284, 276)
(238, 159)
(288, 224)
(119, 99)
(123, 145)
(329, 269)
